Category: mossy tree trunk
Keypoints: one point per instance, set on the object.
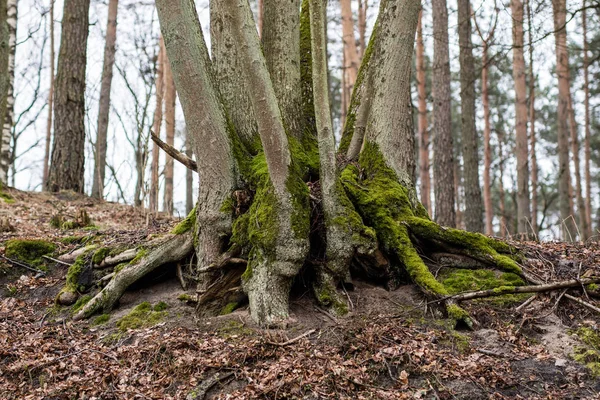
(276, 203)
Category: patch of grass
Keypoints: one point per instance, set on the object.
(588, 355)
(142, 316)
(160, 306)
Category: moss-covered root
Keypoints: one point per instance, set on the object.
(324, 288)
(174, 248)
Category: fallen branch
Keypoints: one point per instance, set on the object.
(583, 303)
(524, 289)
(294, 340)
(173, 152)
(23, 265)
(199, 393)
(57, 261)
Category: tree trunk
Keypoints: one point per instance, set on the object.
(281, 45)
(559, 9)
(362, 25)
(487, 150)
(260, 14)
(170, 100)
(532, 135)
(443, 165)
(50, 100)
(503, 225)
(582, 228)
(207, 125)
(156, 127)
(189, 176)
(5, 151)
(104, 102)
(423, 133)
(66, 170)
(587, 145)
(473, 205)
(351, 61)
(523, 210)
(4, 57)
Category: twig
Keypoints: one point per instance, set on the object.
(294, 340)
(173, 152)
(22, 265)
(526, 303)
(583, 303)
(200, 391)
(490, 353)
(57, 261)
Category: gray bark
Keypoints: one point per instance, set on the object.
(170, 100)
(281, 46)
(156, 127)
(104, 102)
(7, 130)
(443, 157)
(207, 125)
(473, 204)
(66, 171)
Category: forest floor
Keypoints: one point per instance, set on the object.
(390, 346)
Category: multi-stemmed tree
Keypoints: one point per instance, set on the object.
(276, 197)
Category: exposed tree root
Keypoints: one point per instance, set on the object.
(172, 249)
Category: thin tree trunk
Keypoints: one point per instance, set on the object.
(4, 57)
(281, 45)
(582, 219)
(473, 206)
(569, 230)
(170, 100)
(104, 102)
(443, 165)
(487, 150)
(587, 145)
(425, 177)
(457, 194)
(260, 14)
(189, 176)
(68, 152)
(156, 127)
(523, 211)
(362, 26)
(351, 61)
(501, 193)
(5, 151)
(50, 100)
(532, 135)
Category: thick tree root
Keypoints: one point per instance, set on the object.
(174, 248)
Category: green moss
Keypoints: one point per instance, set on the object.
(90, 228)
(120, 267)
(29, 251)
(328, 298)
(229, 308)
(82, 301)
(8, 199)
(68, 225)
(143, 315)
(457, 313)
(592, 287)
(139, 255)
(160, 306)
(186, 297)
(72, 284)
(101, 320)
(100, 255)
(588, 355)
(464, 280)
(72, 239)
(186, 225)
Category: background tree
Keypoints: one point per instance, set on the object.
(423, 134)
(522, 152)
(532, 133)
(66, 168)
(156, 127)
(4, 55)
(50, 98)
(473, 205)
(170, 102)
(443, 164)
(5, 153)
(104, 103)
(586, 104)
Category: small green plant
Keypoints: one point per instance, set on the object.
(100, 320)
(82, 301)
(588, 355)
(143, 315)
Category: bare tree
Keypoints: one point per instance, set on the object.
(50, 98)
(587, 145)
(66, 172)
(423, 133)
(532, 134)
(156, 127)
(170, 100)
(104, 103)
(443, 165)
(9, 118)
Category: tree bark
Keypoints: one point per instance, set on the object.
(156, 127)
(586, 104)
(443, 165)
(523, 210)
(5, 150)
(170, 100)
(104, 102)
(503, 225)
(281, 45)
(68, 151)
(473, 206)
(423, 133)
(260, 14)
(4, 57)
(50, 100)
(363, 5)
(351, 61)
(582, 219)
(532, 135)
(189, 176)
(559, 8)
(487, 150)
(207, 125)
